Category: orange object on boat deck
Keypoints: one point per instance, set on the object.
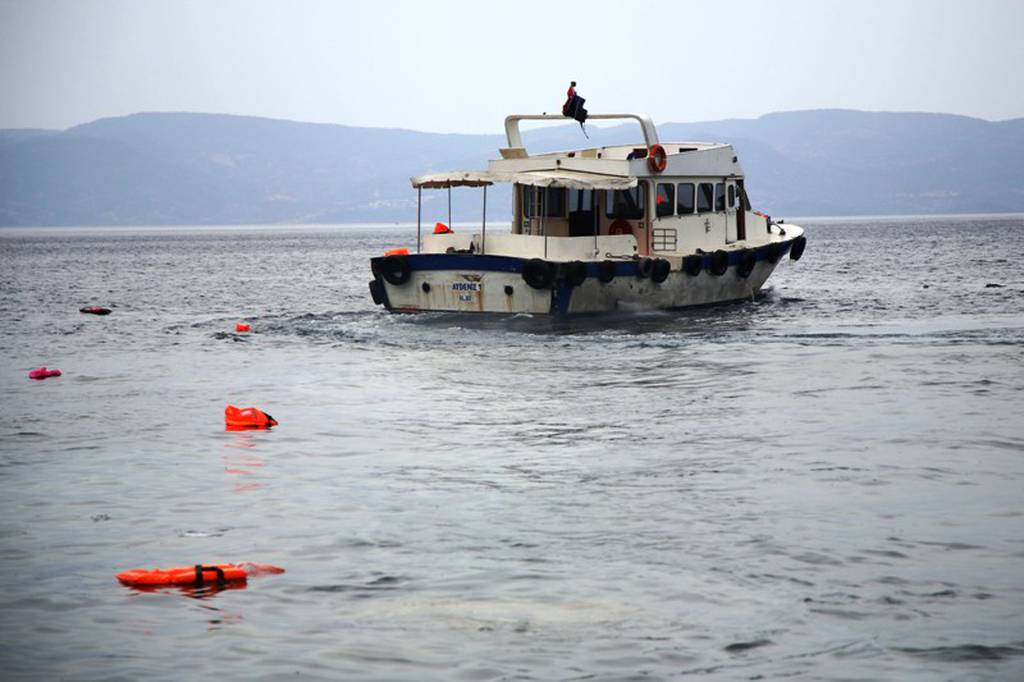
(247, 418)
(401, 251)
(441, 228)
(242, 327)
(198, 575)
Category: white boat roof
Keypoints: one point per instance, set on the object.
(570, 179)
(609, 167)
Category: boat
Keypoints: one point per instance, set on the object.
(657, 225)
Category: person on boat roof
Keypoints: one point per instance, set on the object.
(569, 94)
(573, 107)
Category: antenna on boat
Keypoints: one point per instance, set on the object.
(573, 107)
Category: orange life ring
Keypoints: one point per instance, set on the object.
(657, 159)
(620, 226)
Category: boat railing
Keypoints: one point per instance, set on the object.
(559, 249)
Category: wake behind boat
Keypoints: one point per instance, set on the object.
(663, 225)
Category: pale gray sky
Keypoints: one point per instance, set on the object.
(461, 66)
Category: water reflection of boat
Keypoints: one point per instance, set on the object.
(663, 225)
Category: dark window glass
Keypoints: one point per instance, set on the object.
(527, 201)
(705, 196)
(732, 196)
(684, 198)
(665, 199)
(580, 200)
(720, 196)
(534, 198)
(555, 200)
(627, 204)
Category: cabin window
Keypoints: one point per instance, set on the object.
(580, 200)
(627, 204)
(556, 201)
(665, 199)
(528, 198)
(741, 200)
(705, 196)
(534, 199)
(684, 198)
(732, 196)
(720, 196)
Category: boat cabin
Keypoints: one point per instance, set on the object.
(669, 199)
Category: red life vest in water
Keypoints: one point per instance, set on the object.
(247, 418)
(198, 575)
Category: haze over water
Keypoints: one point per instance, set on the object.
(826, 482)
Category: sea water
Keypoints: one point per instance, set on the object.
(825, 482)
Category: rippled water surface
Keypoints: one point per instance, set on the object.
(827, 482)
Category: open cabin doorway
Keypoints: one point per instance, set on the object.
(729, 203)
(582, 213)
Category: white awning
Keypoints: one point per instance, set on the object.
(573, 180)
(540, 178)
(455, 179)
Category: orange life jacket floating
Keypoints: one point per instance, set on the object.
(198, 575)
(236, 418)
(242, 327)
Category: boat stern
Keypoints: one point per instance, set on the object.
(454, 283)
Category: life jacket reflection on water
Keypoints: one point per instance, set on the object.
(441, 228)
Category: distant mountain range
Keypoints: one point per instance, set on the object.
(185, 168)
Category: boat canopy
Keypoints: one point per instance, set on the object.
(454, 179)
(541, 178)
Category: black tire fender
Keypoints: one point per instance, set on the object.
(606, 271)
(719, 263)
(693, 264)
(748, 259)
(772, 253)
(797, 250)
(644, 267)
(538, 273)
(575, 272)
(375, 292)
(396, 270)
(660, 270)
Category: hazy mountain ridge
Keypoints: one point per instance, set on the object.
(183, 168)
